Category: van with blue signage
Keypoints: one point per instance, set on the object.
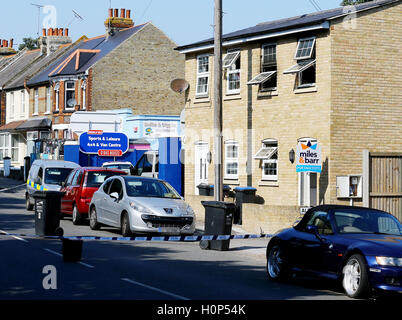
(46, 175)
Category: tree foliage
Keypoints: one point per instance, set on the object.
(352, 2)
(29, 43)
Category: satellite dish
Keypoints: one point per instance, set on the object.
(179, 85)
(72, 103)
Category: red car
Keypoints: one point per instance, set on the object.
(79, 188)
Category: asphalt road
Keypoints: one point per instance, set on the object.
(136, 270)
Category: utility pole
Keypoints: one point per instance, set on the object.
(218, 188)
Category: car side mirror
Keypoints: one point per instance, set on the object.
(314, 230)
(114, 195)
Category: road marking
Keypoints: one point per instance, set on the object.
(155, 289)
(8, 189)
(15, 237)
(60, 255)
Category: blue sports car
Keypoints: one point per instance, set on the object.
(359, 246)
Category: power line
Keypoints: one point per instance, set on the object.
(315, 5)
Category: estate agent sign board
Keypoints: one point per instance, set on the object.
(308, 157)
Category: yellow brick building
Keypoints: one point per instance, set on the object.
(331, 78)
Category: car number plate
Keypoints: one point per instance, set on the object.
(169, 230)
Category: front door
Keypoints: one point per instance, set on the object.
(201, 164)
(307, 189)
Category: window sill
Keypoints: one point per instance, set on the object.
(231, 181)
(306, 89)
(267, 94)
(47, 113)
(35, 114)
(232, 96)
(267, 183)
(68, 110)
(202, 99)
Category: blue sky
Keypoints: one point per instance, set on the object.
(184, 21)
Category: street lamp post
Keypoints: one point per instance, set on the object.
(218, 140)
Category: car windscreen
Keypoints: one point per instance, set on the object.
(96, 178)
(150, 188)
(367, 222)
(56, 175)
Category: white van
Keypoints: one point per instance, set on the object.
(46, 175)
(148, 165)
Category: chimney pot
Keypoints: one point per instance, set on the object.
(122, 13)
(110, 13)
(1, 43)
(60, 32)
(116, 13)
(11, 43)
(128, 14)
(6, 44)
(49, 31)
(44, 32)
(66, 32)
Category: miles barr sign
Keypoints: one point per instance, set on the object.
(108, 144)
(308, 156)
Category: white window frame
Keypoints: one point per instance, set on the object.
(57, 97)
(269, 177)
(36, 102)
(264, 46)
(7, 149)
(228, 64)
(66, 107)
(270, 146)
(201, 75)
(12, 105)
(311, 51)
(48, 101)
(231, 160)
(4, 149)
(84, 95)
(22, 102)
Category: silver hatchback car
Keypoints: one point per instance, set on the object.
(138, 204)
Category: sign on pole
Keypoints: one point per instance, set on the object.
(107, 144)
(308, 157)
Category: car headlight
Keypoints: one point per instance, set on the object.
(189, 211)
(139, 208)
(389, 261)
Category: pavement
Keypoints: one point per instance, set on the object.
(7, 184)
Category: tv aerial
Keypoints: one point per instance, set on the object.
(39, 6)
(179, 85)
(76, 16)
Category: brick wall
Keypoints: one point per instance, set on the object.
(366, 89)
(285, 115)
(137, 75)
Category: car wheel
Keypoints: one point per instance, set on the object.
(125, 225)
(276, 268)
(77, 219)
(93, 219)
(28, 204)
(355, 280)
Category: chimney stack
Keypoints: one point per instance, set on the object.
(51, 40)
(114, 22)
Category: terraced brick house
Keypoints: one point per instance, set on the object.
(331, 77)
